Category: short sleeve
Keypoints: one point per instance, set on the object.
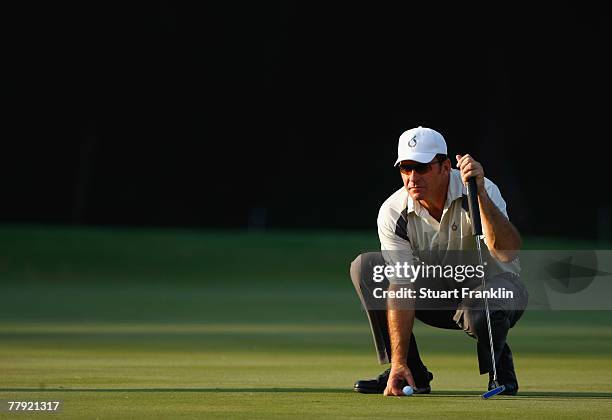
(394, 242)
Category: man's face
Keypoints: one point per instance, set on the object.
(425, 181)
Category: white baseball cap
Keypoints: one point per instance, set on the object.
(420, 144)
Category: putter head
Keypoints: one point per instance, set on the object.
(493, 392)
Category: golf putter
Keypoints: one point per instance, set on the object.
(472, 190)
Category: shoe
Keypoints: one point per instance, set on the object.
(378, 385)
(511, 388)
(506, 373)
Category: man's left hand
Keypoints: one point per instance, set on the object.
(471, 168)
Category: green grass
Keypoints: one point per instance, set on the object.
(173, 324)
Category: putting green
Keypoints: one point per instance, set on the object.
(132, 324)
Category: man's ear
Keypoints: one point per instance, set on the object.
(447, 165)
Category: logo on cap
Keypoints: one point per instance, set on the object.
(412, 142)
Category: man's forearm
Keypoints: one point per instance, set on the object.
(503, 238)
(400, 322)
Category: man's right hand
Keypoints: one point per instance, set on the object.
(399, 376)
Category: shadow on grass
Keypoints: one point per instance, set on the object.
(522, 394)
(548, 395)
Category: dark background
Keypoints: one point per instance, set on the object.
(286, 115)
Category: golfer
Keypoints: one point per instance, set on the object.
(430, 213)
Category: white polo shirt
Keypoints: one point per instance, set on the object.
(405, 227)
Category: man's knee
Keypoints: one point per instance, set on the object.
(356, 269)
(364, 262)
(475, 322)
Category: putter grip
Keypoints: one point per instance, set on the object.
(472, 190)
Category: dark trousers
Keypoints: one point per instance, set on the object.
(468, 316)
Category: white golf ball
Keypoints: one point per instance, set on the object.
(407, 390)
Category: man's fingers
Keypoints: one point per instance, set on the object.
(470, 173)
(410, 381)
(461, 159)
(464, 161)
(394, 387)
(392, 391)
(469, 166)
(397, 391)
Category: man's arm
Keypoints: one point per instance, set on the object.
(502, 238)
(396, 248)
(400, 323)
